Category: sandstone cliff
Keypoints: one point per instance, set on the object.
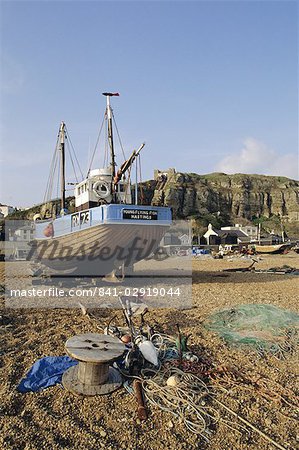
(234, 196)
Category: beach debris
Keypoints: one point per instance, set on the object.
(181, 341)
(263, 327)
(133, 306)
(83, 309)
(141, 411)
(176, 380)
(183, 401)
(138, 308)
(93, 375)
(173, 380)
(199, 252)
(250, 425)
(103, 433)
(283, 270)
(112, 278)
(189, 356)
(147, 349)
(111, 329)
(202, 368)
(45, 372)
(126, 338)
(250, 268)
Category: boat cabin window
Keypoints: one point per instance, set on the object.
(82, 189)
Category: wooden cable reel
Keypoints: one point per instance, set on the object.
(93, 376)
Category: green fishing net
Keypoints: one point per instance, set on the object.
(265, 327)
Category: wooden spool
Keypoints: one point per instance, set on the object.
(93, 376)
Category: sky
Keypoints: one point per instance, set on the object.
(208, 85)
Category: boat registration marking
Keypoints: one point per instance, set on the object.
(140, 214)
(80, 218)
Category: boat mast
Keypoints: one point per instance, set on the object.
(62, 164)
(259, 232)
(282, 230)
(110, 131)
(136, 181)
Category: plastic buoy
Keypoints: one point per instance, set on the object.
(49, 230)
(149, 352)
(173, 380)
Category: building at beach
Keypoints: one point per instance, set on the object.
(249, 230)
(214, 236)
(17, 244)
(6, 209)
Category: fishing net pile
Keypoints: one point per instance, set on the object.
(264, 327)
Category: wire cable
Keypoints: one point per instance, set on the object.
(74, 153)
(119, 139)
(97, 141)
(72, 161)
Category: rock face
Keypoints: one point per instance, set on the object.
(236, 196)
(232, 197)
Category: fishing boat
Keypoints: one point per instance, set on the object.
(108, 230)
(275, 248)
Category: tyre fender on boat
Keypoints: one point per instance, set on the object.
(102, 189)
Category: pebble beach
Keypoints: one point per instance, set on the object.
(56, 419)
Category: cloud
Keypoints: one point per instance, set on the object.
(256, 157)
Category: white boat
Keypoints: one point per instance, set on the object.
(106, 231)
(274, 248)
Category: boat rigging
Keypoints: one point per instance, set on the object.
(104, 185)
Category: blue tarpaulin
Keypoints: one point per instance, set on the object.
(46, 372)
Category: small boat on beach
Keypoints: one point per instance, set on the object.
(273, 249)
